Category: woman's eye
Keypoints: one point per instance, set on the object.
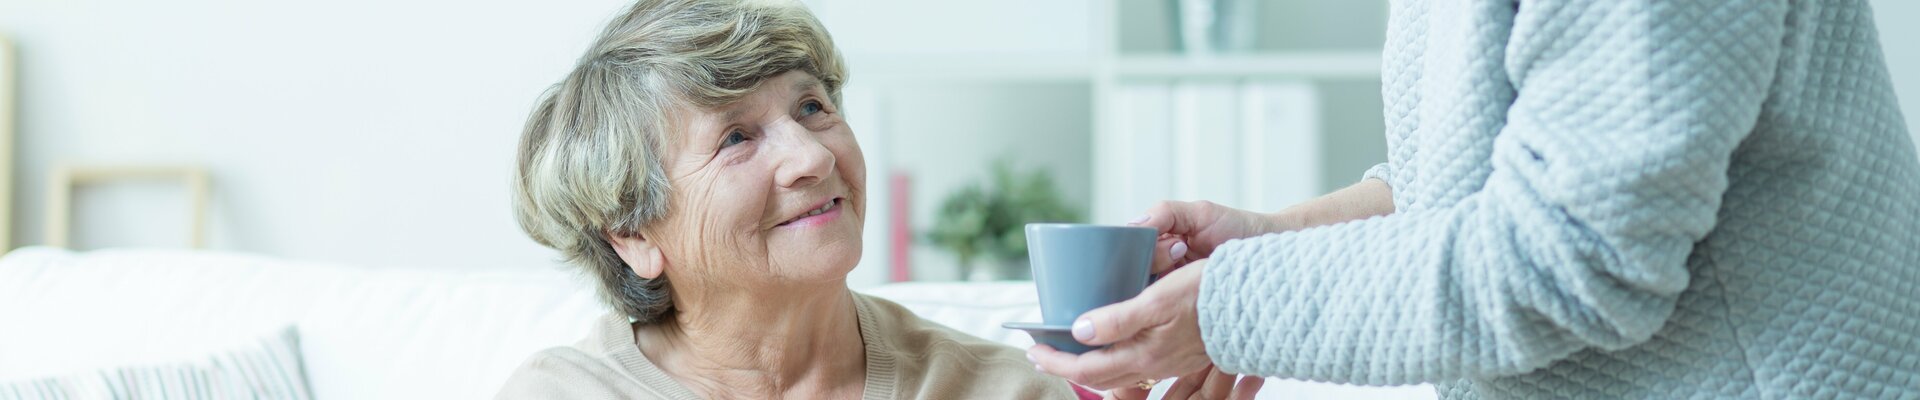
(733, 138)
(810, 108)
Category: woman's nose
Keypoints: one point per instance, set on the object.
(804, 161)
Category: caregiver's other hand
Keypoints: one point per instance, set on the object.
(1151, 336)
(1191, 230)
(1208, 383)
(1212, 383)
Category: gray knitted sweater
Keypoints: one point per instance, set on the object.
(1609, 199)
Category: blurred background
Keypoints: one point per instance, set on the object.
(383, 132)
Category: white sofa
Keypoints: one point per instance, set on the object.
(374, 333)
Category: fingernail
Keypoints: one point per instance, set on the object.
(1083, 329)
(1037, 367)
(1179, 250)
(1140, 220)
(1031, 359)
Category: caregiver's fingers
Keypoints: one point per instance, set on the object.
(1129, 393)
(1101, 369)
(1248, 387)
(1186, 385)
(1178, 217)
(1218, 385)
(1169, 253)
(1120, 321)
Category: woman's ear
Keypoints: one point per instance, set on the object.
(641, 255)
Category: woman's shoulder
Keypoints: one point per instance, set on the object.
(939, 361)
(563, 372)
(597, 367)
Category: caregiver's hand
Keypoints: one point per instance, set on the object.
(1208, 383)
(1151, 336)
(1191, 230)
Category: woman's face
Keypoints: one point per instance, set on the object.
(769, 190)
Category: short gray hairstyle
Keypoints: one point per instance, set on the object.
(589, 160)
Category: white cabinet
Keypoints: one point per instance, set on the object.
(1252, 144)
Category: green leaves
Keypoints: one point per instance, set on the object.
(991, 220)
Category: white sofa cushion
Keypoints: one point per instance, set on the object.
(67, 312)
(366, 333)
(429, 334)
(267, 367)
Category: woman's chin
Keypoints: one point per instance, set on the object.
(816, 260)
(836, 261)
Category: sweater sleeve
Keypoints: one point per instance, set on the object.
(1380, 171)
(1610, 167)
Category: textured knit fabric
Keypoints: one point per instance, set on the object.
(1609, 199)
(907, 358)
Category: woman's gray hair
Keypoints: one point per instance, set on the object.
(589, 160)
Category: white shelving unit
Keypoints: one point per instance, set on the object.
(1309, 65)
(1302, 65)
(920, 69)
(1258, 129)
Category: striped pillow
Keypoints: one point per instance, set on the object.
(266, 368)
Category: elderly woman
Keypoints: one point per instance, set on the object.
(696, 164)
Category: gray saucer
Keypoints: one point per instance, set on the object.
(1058, 336)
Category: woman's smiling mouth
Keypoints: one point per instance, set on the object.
(816, 216)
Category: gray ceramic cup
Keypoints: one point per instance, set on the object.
(1082, 267)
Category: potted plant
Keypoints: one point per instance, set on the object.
(988, 222)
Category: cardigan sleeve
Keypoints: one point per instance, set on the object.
(1381, 171)
(1610, 167)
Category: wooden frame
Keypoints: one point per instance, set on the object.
(65, 178)
(7, 106)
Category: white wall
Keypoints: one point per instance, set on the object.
(363, 131)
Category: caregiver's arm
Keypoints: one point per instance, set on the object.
(1192, 230)
(1611, 166)
(1368, 198)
